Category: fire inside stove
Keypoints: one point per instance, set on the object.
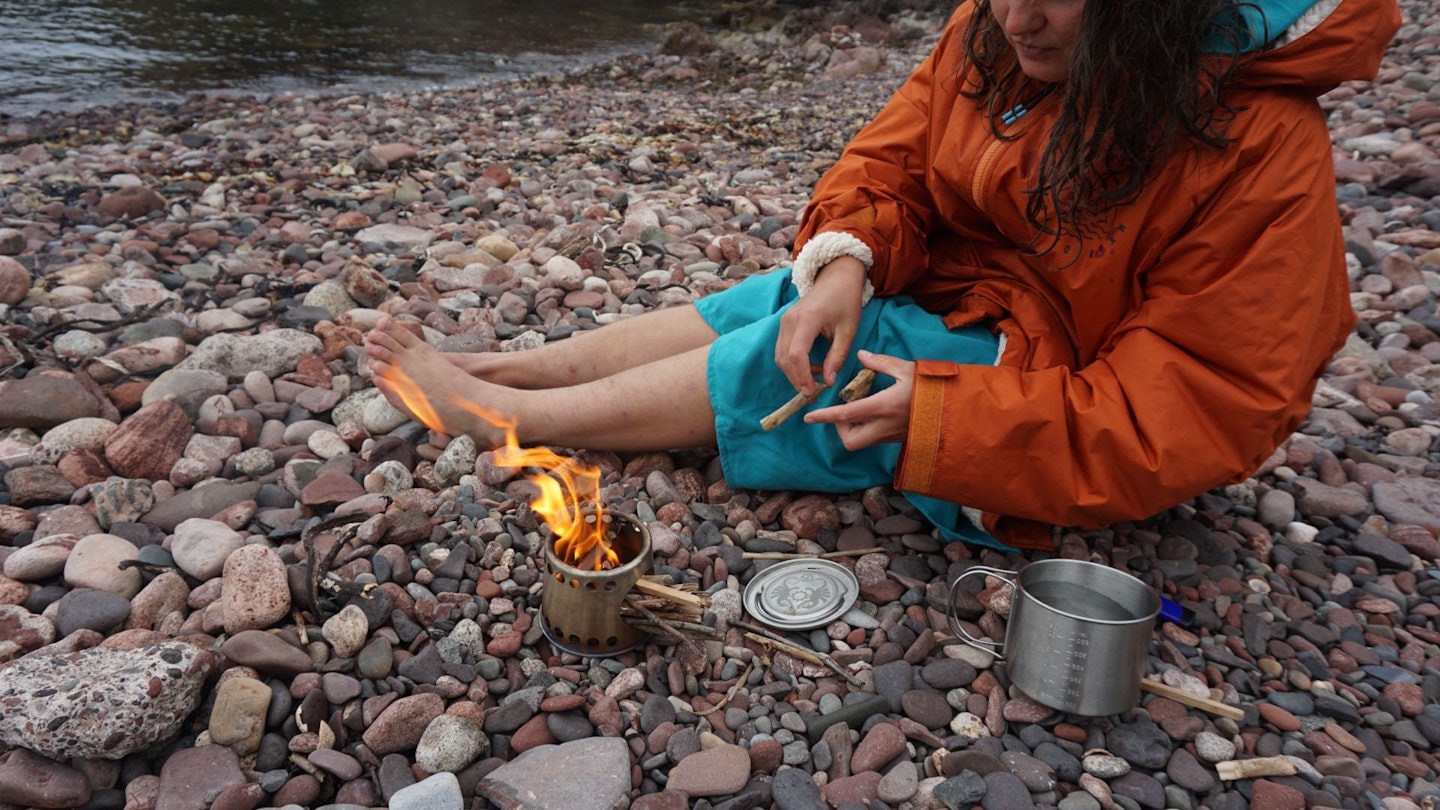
(592, 559)
(580, 608)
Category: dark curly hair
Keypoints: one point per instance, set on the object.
(1146, 77)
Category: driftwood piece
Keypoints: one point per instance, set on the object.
(671, 627)
(859, 388)
(789, 409)
(657, 607)
(730, 693)
(781, 537)
(829, 555)
(317, 571)
(764, 636)
(650, 587)
(787, 648)
(307, 766)
(1204, 704)
(684, 639)
(1233, 769)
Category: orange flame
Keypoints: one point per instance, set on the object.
(569, 489)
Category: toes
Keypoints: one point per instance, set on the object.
(382, 344)
(379, 368)
(378, 353)
(378, 328)
(403, 338)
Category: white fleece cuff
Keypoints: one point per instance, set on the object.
(1308, 22)
(824, 248)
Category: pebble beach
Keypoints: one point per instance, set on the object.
(233, 576)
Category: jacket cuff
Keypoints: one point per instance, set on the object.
(920, 456)
(824, 248)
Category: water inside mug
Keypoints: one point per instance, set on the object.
(1078, 601)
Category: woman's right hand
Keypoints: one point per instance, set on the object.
(831, 308)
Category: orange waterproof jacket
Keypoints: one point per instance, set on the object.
(1174, 354)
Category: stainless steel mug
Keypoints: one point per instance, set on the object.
(1078, 635)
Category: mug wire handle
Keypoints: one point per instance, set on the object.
(995, 648)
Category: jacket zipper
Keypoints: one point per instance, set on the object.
(982, 173)
(977, 187)
(992, 151)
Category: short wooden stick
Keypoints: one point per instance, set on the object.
(674, 631)
(762, 635)
(829, 555)
(672, 625)
(789, 409)
(1233, 769)
(668, 593)
(858, 387)
(787, 648)
(1214, 707)
(730, 693)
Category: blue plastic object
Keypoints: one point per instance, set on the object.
(1176, 613)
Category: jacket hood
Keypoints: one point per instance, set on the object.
(1310, 44)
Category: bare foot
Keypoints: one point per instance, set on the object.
(421, 382)
(496, 367)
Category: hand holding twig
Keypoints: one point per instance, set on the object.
(791, 408)
(858, 388)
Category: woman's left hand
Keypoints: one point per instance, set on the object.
(879, 418)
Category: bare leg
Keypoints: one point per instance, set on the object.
(661, 405)
(586, 356)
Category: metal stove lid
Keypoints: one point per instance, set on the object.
(801, 594)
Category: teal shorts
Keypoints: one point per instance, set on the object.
(746, 385)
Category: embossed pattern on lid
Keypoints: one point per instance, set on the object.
(801, 594)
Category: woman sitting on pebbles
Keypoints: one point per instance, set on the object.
(1091, 247)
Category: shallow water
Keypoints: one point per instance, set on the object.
(80, 53)
(1080, 601)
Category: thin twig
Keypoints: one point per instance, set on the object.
(1205, 704)
(730, 693)
(684, 639)
(818, 657)
(159, 568)
(755, 628)
(787, 648)
(14, 351)
(829, 555)
(89, 325)
(789, 409)
(671, 594)
(314, 573)
(673, 625)
(855, 389)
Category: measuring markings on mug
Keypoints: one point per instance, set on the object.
(1076, 649)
